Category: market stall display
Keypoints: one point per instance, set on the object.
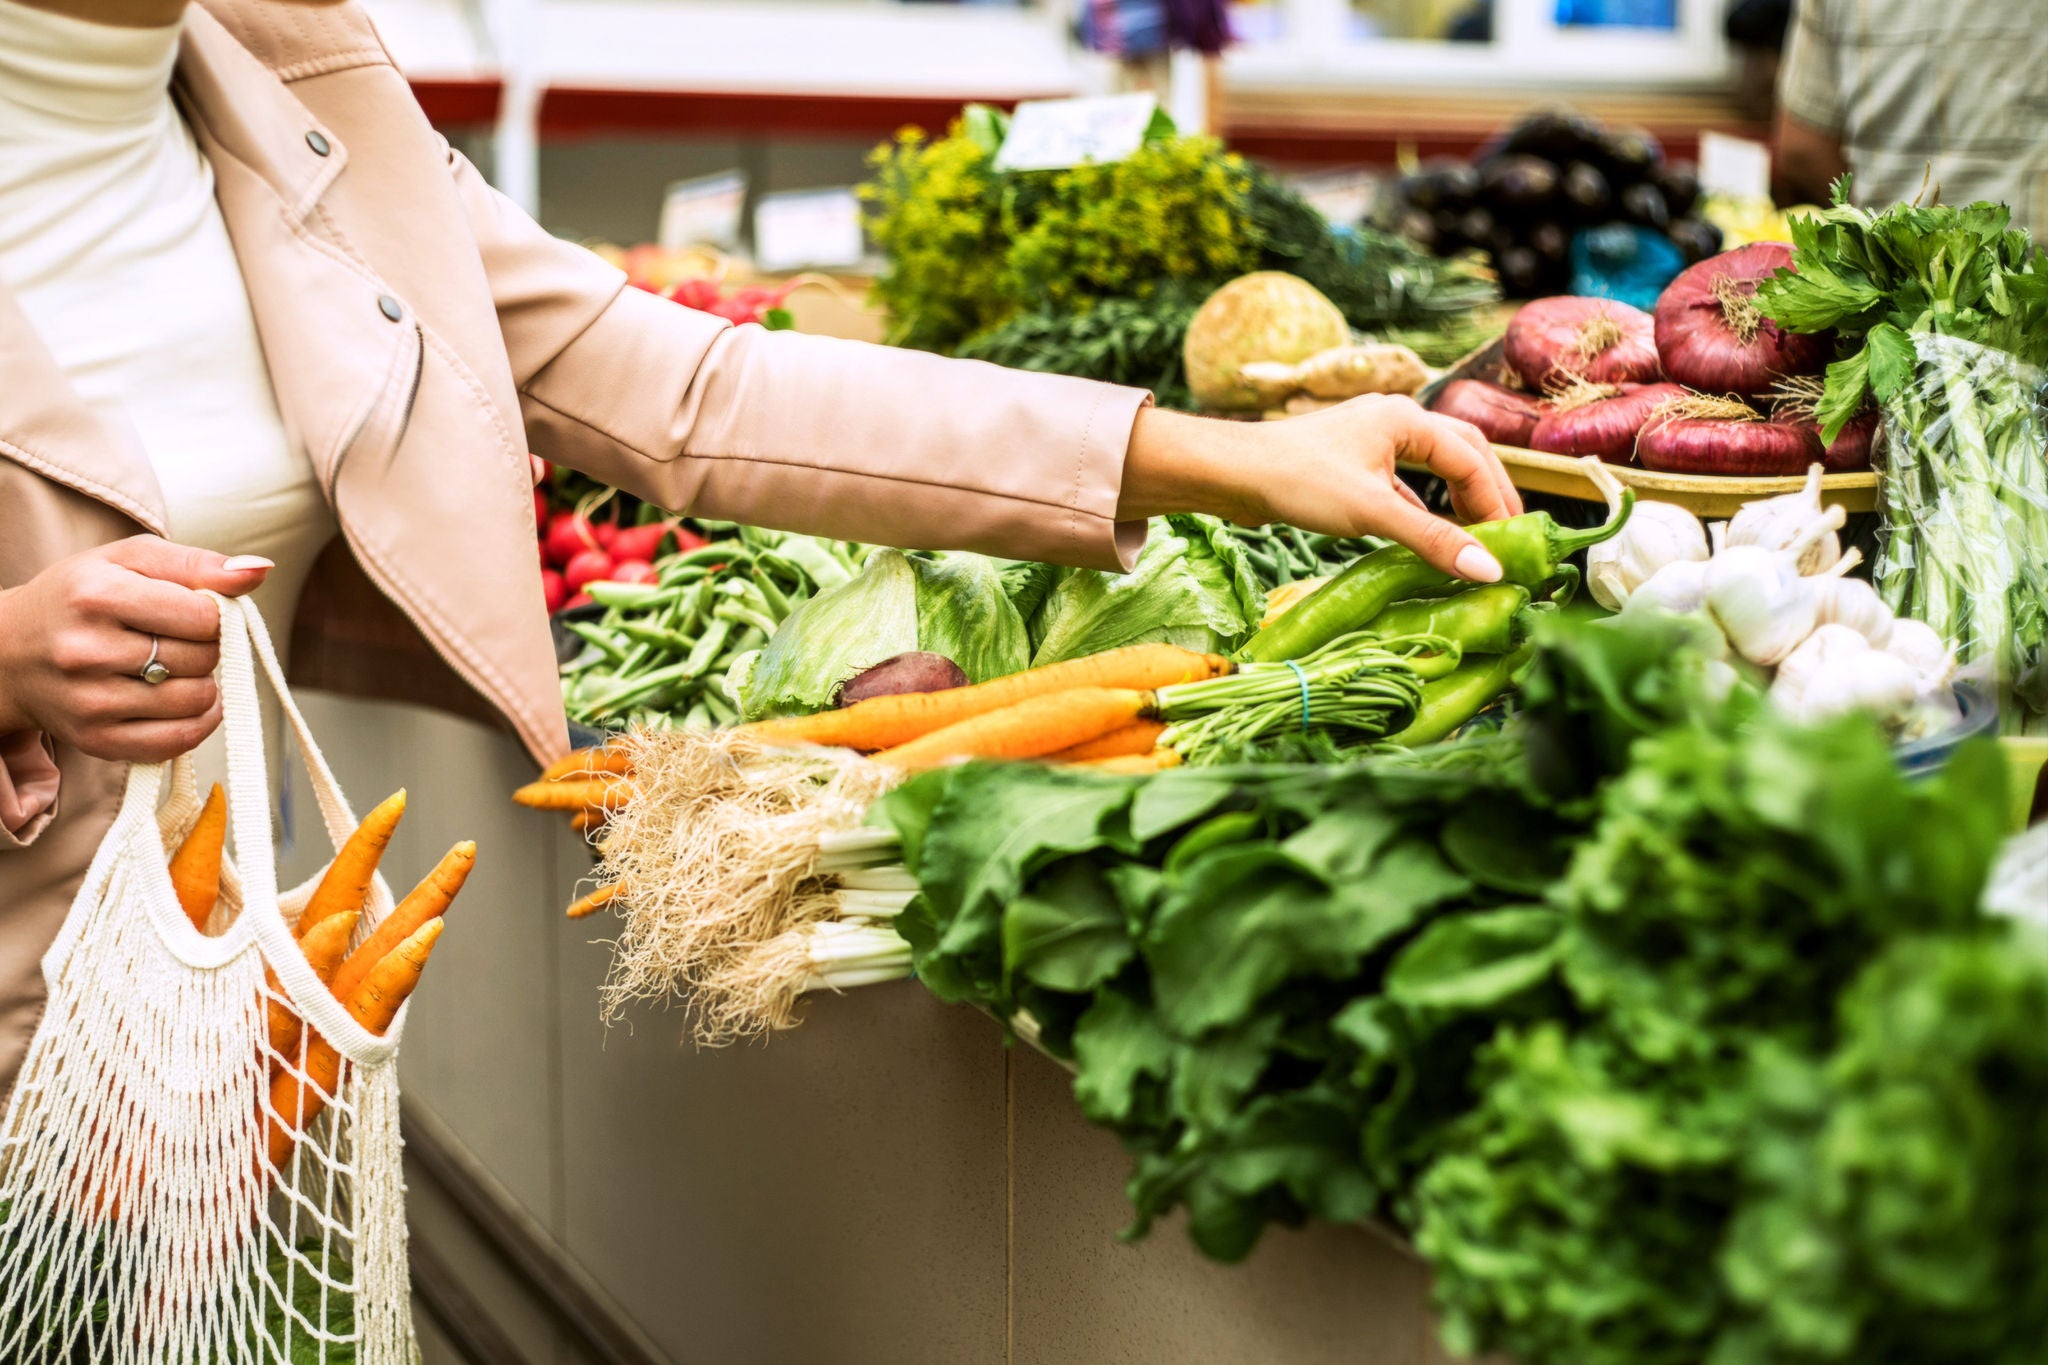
(1099, 269)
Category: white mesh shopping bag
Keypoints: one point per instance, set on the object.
(141, 1217)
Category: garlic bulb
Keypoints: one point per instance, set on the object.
(1795, 518)
(1761, 603)
(1657, 534)
(1679, 587)
(1854, 603)
(1870, 680)
(1826, 648)
(1922, 649)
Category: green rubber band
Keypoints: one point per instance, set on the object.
(1303, 678)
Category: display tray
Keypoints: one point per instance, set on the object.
(1706, 495)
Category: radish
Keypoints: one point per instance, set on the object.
(553, 590)
(581, 599)
(687, 540)
(540, 510)
(639, 542)
(605, 533)
(632, 571)
(568, 536)
(587, 567)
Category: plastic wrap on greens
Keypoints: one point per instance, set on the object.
(1966, 513)
(951, 604)
(1192, 586)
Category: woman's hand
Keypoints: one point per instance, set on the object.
(74, 639)
(1329, 471)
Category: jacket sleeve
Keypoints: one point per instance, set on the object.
(804, 433)
(28, 788)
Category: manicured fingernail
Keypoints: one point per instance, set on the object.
(1475, 564)
(251, 563)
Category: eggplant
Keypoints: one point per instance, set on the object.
(1643, 203)
(1550, 241)
(1587, 192)
(1556, 134)
(1441, 183)
(1476, 226)
(1680, 182)
(1695, 238)
(1521, 273)
(1449, 238)
(1631, 155)
(1517, 183)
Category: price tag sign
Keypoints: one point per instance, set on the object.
(1051, 135)
(702, 212)
(807, 228)
(1734, 166)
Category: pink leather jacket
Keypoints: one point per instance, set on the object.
(422, 335)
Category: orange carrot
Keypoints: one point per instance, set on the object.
(588, 763)
(1139, 737)
(594, 902)
(584, 821)
(195, 867)
(1030, 729)
(429, 900)
(346, 884)
(324, 945)
(886, 722)
(1153, 762)
(607, 792)
(298, 1097)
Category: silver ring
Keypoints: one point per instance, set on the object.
(154, 672)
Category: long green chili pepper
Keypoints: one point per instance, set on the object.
(1491, 619)
(1529, 547)
(1449, 702)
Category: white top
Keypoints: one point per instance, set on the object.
(112, 242)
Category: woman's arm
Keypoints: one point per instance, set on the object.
(872, 443)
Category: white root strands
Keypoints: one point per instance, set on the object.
(726, 857)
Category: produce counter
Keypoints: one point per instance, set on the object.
(888, 1183)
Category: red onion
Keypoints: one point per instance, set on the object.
(1711, 336)
(1714, 445)
(1505, 416)
(1598, 340)
(1605, 427)
(1850, 450)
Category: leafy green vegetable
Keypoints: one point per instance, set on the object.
(1672, 1033)
(950, 604)
(1136, 342)
(1943, 314)
(1192, 586)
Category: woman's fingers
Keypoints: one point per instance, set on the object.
(188, 566)
(1445, 545)
(150, 741)
(1482, 447)
(1480, 488)
(114, 701)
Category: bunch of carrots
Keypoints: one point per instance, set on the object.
(371, 981)
(1098, 712)
(1101, 711)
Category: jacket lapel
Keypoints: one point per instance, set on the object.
(338, 360)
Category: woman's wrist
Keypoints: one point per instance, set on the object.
(13, 719)
(1179, 463)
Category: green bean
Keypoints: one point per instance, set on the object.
(636, 596)
(597, 638)
(672, 641)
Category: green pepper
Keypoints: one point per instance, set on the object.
(1491, 619)
(1449, 702)
(1529, 547)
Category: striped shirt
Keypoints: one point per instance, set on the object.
(1947, 93)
